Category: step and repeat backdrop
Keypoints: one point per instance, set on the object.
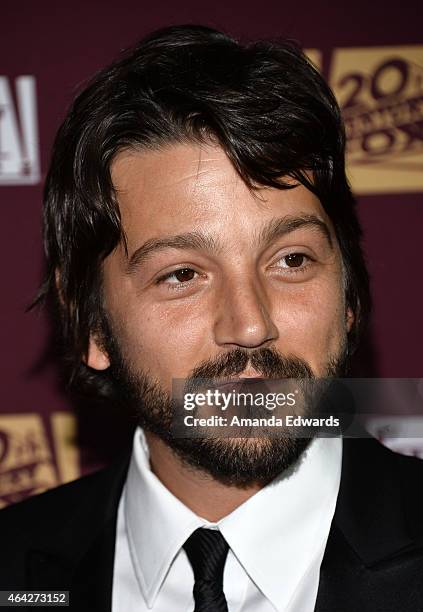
(372, 56)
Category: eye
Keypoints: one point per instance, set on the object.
(178, 277)
(293, 260)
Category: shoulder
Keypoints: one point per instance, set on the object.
(369, 454)
(50, 507)
(71, 510)
(407, 472)
(382, 487)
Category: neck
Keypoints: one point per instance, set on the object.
(205, 496)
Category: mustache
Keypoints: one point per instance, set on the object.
(267, 362)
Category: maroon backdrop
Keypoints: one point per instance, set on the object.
(60, 46)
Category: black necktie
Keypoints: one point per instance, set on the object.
(207, 550)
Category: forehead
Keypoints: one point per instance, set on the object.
(183, 187)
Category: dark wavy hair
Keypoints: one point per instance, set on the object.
(263, 102)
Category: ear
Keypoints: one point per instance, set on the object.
(349, 319)
(57, 280)
(96, 357)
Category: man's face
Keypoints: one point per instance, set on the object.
(213, 267)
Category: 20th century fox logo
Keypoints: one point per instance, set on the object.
(380, 91)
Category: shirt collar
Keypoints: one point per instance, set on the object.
(157, 523)
(287, 522)
(292, 514)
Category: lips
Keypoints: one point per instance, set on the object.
(235, 384)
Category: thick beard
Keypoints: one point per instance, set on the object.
(239, 462)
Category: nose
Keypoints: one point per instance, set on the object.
(243, 316)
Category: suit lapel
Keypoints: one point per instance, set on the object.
(93, 580)
(89, 580)
(369, 527)
(80, 558)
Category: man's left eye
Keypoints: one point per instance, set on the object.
(183, 275)
(292, 260)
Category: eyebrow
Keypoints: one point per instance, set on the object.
(276, 228)
(190, 240)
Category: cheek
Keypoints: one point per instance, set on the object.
(311, 323)
(167, 340)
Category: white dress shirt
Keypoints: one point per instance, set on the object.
(276, 538)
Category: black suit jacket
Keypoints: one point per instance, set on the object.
(65, 538)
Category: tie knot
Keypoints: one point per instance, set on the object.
(207, 550)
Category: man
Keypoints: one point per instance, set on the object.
(199, 225)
